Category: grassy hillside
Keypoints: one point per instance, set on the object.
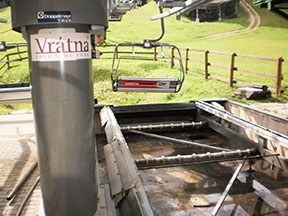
(269, 40)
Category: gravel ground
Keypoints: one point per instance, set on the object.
(278, 109)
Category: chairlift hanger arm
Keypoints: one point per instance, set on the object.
(162, 27)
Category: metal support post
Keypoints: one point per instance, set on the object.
(58, 37)
(228, 187)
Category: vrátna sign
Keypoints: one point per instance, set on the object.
(60, 45)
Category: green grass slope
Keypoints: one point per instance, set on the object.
(269, 40)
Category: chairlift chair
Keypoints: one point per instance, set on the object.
(117, 10)
(144, 84)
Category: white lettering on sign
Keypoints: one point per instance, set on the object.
(57, 45)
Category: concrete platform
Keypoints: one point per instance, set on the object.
(18, 151)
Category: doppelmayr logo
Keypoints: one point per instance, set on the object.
(41, 15)
(54, 16)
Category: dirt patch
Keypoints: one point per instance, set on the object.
(254, 22)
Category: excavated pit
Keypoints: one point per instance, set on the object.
(261, 188)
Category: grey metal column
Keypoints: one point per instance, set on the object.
(62, 95)
(58, 36)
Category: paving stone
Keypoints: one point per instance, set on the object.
(18, 151)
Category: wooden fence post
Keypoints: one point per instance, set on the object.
(206, 64)
(8, 61)
(186, 61)
(279, 77)
(172, 57)
(116, 54)
(155, 53)
(232, 70)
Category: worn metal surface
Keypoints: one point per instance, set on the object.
(256, 191)
(170, 189)
(135, 201)
(113, 174)
(253, 114)
(62, 96)
(274, 142)
(15, 95)
(110, 205)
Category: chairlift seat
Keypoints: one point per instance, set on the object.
(136, 84)
(144, 84)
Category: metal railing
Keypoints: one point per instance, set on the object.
(8, 60)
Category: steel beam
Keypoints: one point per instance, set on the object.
(258, 129)
(227, 189)
(259, 132)
(171, 125)
(223, 160)
(182, 159)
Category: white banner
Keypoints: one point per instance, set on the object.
(60, 45)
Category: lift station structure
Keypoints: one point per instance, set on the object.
(60, 35)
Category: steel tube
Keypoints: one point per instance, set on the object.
(62, 97)
(22, 181)
(162, 126)
(18, 89)
(182, 159)
(227, 189)
(223, 160)
(27, 196)
(180, 141)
